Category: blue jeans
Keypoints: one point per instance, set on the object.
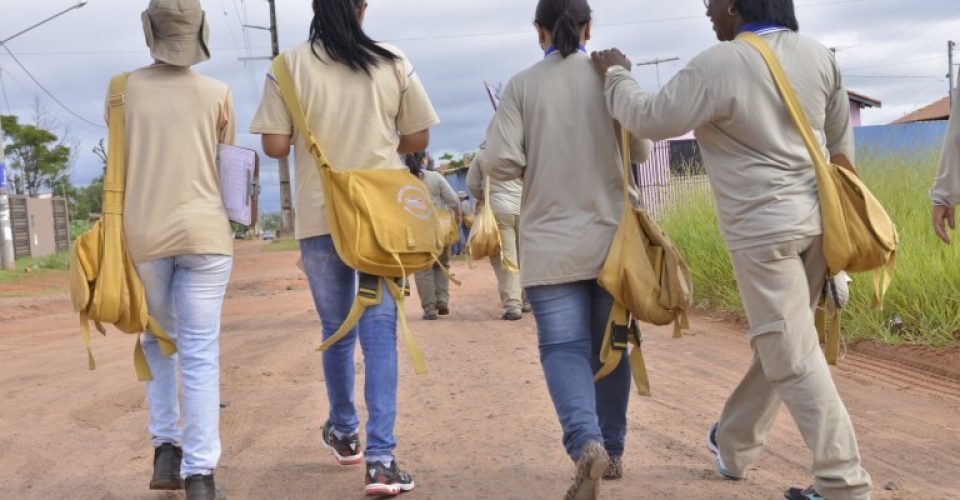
(334, 288)
(571, 318)
(185, 295)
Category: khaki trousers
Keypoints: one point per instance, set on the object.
(508, 282)
(433, 286)
(780, 285)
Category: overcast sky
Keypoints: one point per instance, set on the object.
(891, 50)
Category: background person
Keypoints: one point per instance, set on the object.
(945, 194)
(504, 200)
(351, 88)
(177, 233)
(433, 285)
(552, 129)
(766, 196)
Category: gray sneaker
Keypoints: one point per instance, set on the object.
(715, 449)
(512, 316)
(591, 465)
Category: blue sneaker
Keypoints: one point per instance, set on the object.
(715, 449)
(801, 494)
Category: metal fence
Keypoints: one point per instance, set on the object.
(672, 174)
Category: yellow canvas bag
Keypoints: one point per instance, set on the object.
(382, 222)
(104, 285)
(448, 226)
(648, 279)
(858, 234)
(484, 239)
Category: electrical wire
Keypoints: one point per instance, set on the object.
(3, 88)
(49, 94)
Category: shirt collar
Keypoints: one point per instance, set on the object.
(762, 28)
(552, 50)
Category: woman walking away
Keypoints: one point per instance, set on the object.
(433, 285)
(178, 234)
(552, 128)
(366, 105)
(766, 195)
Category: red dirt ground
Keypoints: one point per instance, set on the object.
(479, 425)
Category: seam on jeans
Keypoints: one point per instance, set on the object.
(774, 327)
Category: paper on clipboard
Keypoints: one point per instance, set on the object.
(238, 169)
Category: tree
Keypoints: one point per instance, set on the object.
(89, 200)
(39, 158)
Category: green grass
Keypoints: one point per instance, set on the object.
(284, 245)
(56, 262)
(921, 306)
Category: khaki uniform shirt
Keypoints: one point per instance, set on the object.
(761, 173)
(505, 196)
(946, 189)
(442, 195)
(175, 118)
(552, 129)
(356, 118)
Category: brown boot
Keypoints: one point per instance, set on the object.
(591, 465)
(166, 467)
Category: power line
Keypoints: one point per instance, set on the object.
(49, 94)
(3, 87)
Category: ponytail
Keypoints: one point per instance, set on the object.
(337, 29)
(414, 162)
(564, 19)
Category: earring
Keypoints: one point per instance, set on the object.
(730, 11)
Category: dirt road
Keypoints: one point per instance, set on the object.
(478, 425)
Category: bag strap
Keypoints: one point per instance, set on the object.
(625, 160)
(622, 331)
(790, 99)
(289, 93)
(114, 181)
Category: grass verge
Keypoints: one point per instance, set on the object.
(284, 245)
(921, 305)
(56, 262)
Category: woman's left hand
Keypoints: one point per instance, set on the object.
(606, 58)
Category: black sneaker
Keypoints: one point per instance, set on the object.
(347, 450)
(382, 480)
(802, 494)
(166, 467)
(200, 487)
(512, 316)
(443, 309)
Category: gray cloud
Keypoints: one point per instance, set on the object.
(890, 50)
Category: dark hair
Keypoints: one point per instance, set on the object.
(772, 11)
(564, 19)
(335, 27)
(414, 162)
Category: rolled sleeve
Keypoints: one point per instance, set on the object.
(272, 116)
(946, 187)
(416, 111)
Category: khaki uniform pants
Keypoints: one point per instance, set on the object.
(780, 285)
(508, 282)
(433, 286)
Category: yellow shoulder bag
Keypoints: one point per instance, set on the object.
(104, 285)
(858, 235)
(649, 282)
(484, 239)
(382, 222)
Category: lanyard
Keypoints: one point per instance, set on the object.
(552, 49)
(761, 28)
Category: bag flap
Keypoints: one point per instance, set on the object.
(876, 217)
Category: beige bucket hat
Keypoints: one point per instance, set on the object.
(177, 31)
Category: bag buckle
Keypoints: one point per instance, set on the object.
(117, 99)
(368, 286)
(623, 335)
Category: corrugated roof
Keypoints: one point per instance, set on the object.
(937, 111)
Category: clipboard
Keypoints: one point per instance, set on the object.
(239, 170)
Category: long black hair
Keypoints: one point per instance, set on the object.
(414, 162)
(337, 29)
(564, 19)
(772, 11)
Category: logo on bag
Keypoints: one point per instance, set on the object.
(413, 199)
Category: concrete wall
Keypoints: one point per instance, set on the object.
(42, 235)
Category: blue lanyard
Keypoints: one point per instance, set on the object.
(552, 49)
(762, 28)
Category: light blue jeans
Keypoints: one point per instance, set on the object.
(571, 319)
(334, 287)
(185, 295)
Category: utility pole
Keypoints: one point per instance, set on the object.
(287, 214)
(7, 257)
(950, 46)
(657, 62)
